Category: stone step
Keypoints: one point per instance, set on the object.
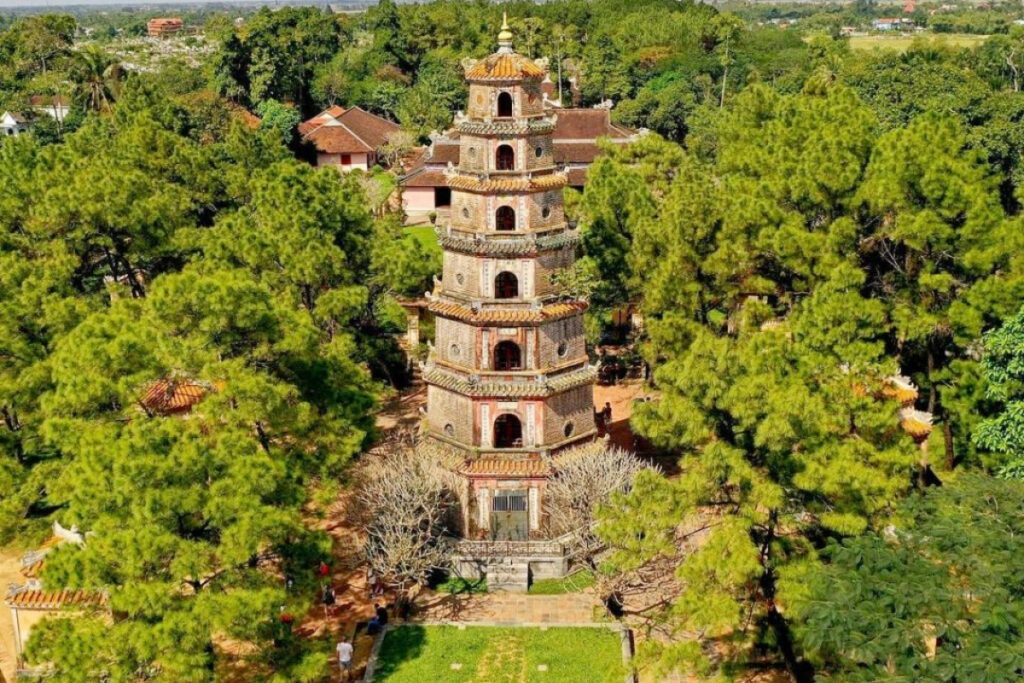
(513, 577)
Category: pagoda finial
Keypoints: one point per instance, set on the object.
(505, 37)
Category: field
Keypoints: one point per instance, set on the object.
(901, 43)
(485, 654)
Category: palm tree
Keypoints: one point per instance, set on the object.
(97, 77)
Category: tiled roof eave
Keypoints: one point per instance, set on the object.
(552, 386)
(513, 127)
(507, 317)
(494, 467)
(507, 185)
(508, 247)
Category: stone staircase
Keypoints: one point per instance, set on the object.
(508, 575)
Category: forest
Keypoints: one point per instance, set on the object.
(802, 223)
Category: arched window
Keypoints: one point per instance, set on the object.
(504, 104)
(505, 218)
(505, 158)
(507, 356)
(508, 432)
(506, 286)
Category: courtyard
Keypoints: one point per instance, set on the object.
(485, 654)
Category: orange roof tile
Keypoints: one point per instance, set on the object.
(507, 315)
(504, 67)
(548, 181)
(37, 599)
(170, 396)
(507, 468)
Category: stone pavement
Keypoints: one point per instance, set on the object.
(512, 609)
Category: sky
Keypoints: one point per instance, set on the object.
(55, 5)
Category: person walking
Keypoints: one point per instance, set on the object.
(345, 658)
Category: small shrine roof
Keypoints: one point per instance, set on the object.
(169, 396)
(504, 66)
(26, 597)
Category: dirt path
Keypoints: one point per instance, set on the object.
(511, 609)
(10, 572)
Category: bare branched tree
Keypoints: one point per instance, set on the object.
(585, 479)
(407, 500)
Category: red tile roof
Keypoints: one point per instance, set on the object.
(24, 597)
(576, 152)
(577, 177)
(354, 131)
(507, 468)
(504, 67)
(337, 140)
(587, 124)
(426, 177)
(329, 114)
(171, 396)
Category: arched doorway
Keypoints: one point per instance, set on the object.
(505, 218)
(507, 356)
(505, 158)
(504, 105)
(508, 432)
(506, 285)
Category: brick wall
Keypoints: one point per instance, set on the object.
(569, 330)
(469, 211)
(452, 333)
(468, 267)
(553, 201)
(541, 143)
(575, 406)
(447, 408)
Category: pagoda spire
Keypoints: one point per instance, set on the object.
(505, 36)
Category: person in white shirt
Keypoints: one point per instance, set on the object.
(345, 658)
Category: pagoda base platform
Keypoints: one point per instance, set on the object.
(510, 565)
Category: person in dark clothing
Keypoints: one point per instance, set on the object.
(607, 414)
(382, 614)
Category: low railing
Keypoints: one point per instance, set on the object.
(495, 548)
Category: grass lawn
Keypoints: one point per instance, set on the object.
(570, 584)
(485, 654)
(424, 234)
(901, 43)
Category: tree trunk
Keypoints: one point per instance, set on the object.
(801, 671)
(932, 391)
(725, 79)
(947, 435)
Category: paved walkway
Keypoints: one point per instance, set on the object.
(512, 608)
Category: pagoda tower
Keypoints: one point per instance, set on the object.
(508, 379)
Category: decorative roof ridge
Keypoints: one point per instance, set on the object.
(535, 314)
(541, 386)
(523, 244)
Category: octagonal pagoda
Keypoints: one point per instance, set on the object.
(508, 379)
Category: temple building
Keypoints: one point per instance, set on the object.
(509, 386)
